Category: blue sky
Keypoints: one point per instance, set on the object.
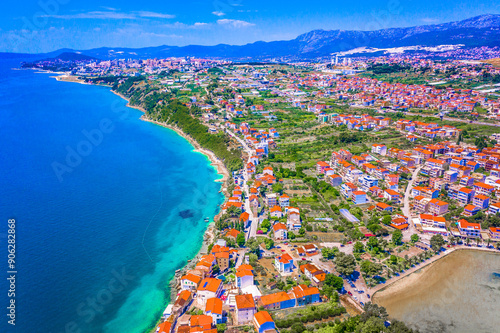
(47, 25)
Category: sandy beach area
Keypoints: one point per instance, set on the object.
(454, 293)
(409, 277)
(69, 78)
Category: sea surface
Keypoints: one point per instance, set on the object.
(107, 206)
(459, 293)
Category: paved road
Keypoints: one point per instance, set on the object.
(252, 230)
(406, 204)
(451, 119)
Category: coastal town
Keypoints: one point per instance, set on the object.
(340, 178)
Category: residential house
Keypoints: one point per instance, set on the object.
(200, 323)
(280, 231)
(433, 224)
(335, 180)
(305, 295)
(190, 282)
(245, 309)
(263, 322)
(214, 310)
(481, 201)
(392, 196)
(359, 197)
(494, 208)
(284, 263)
(494, 232)
(276, 301)
(383, 207)
(465, 195)
(182, 302)
(244, 276)
(470, 210)
(379, 149)
(438, 207)
(284, 200)
(209, 288)
(276, 212)
(421, 203)
(165, 327)
(321, 166)
(293, 221)
(346, 189)
(467, 229)
(485, 189)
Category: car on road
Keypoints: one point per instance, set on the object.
(350, 294)
(362, 304)
(368, 295)
(360, 291)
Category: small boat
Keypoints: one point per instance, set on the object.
(177, 271)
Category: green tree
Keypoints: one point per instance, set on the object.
(397, 237)
(269, 243)
(265, 224)
(372, 242)
(358, 247)
(277, 187)
(240, 239)
(414, 238)
(437, 242)
(221, 328)
(336, 282)
(329, 253)
(345, 263)
(387, 219)
(371, 268)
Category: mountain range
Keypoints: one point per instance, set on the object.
(481, 30)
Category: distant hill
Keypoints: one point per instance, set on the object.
(481, 30)
(72, 56)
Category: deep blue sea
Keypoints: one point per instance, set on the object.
(96, 194)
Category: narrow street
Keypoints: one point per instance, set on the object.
(406, 205)
(252, 230)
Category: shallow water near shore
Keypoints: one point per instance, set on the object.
(459, 293)
(100, 199)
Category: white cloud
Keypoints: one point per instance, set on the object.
(235, 23)
(219, 13)
(112, 15)
(155, 15)
(180, 25)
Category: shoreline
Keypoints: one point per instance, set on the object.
(209, 235)
(421, 269)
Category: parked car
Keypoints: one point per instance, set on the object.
(350, 294)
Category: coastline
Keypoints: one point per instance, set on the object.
(210, 233)
(440, 296)
(209, 236)
(406, 280)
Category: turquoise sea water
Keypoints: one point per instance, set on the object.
(97, 196)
